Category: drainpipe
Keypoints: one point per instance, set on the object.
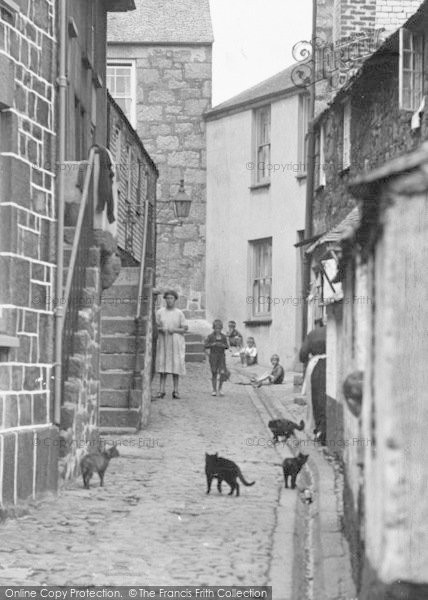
(59, 312)
(310, 174)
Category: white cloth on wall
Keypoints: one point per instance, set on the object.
(100, 218)
(307, 391)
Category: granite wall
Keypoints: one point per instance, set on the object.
(173, 91)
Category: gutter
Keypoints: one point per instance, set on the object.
(59, 310)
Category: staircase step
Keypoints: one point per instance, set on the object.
(117, 325)
(123, 292)
(193, 347)
(128, 276)
(116, 380)
(117, 430)
(119, 417)
(116, 399)
(120, 344)
(126, 362)
(193, 337)
(114, 307)
(195, 357)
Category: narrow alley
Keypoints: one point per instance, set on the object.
(153, 523)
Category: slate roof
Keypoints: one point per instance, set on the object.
(278, 84)
(163, 21)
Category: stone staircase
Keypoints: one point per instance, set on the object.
(194, 347)
(119, 410)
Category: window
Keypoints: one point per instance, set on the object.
(411, 70)
(321, 157)
(79, 131)
(304, 102)
(262, 123)
(121, 85)
(261, 276)
(346, 153)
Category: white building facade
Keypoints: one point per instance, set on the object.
(255, 214)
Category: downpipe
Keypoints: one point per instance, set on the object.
(59, 310)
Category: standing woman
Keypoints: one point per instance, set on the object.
(171, 347)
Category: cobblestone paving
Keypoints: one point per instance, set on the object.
(153, 523)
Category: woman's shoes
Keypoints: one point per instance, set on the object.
(176, 395)
(161, 395)
(221, 394)
(213, 393)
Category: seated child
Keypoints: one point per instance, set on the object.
(274, 377)
(217, 343)
(233, 335)
(249, 353)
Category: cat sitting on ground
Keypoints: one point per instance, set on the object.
(284, 428)
(96, 462)
(291, 468)
(224, 470)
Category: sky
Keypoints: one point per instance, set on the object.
(254, 40)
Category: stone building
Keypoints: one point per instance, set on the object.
(31, 415)
(27, 248)
(159, 69)
(377, 116)
(256, 204)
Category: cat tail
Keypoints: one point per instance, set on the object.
(241, 477)
(301, 425)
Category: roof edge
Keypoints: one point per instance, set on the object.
(213, 113)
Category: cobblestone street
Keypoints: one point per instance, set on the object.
(153, 523)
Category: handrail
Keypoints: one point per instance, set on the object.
(82, 207)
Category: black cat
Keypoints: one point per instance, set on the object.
(291, 468)
(224, 470)
(284, 427)
(96, 462)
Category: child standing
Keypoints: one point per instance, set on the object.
(217, 343)
(249, 353)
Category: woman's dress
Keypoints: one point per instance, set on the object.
(171, 348)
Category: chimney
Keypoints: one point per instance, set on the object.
(392, 14)
(353, 17)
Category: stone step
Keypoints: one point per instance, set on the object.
(120, 344)
(119, 417)
(116, 380)
(193, 337)
(115, 307)
(196, 357)
(121, 325)
(125, 362)
(128, 276)
(117, 430)
(116, 399)
(125, 292)
(194, 347)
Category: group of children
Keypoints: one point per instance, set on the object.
(217, 343)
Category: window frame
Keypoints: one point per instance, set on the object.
(261, 177)
(256, 314)
(127, 63)
(346, 134)
(416, 71)
(302, 152)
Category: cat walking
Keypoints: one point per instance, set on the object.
(224, 470)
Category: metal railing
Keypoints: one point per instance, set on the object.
(74, 292)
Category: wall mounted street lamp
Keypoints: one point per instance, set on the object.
(182, 203)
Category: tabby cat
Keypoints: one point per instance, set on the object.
(224, 470)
